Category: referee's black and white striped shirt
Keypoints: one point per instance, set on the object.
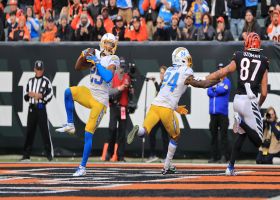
(39, 85)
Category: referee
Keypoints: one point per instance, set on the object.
(38, 93)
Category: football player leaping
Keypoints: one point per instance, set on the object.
(252, 69)
(96, 97)
(176, 79)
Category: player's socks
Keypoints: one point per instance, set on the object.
(69, 105)
(170, 153)
(236, 148)
(141, 132)
(87, 148)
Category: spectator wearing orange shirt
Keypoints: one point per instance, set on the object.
(13, 4)
(50, 31)
(20, 33)
(75, 9)
(108, 23)
(151, 13)
(41, 6)
(136, 32)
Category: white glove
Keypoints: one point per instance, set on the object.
(249, 92)
(199, 78)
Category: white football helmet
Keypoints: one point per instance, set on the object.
(108, 44)
(181, 56)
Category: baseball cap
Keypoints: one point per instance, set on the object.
(39, 65)
(119, 18)
(220, 65)
(220, 19)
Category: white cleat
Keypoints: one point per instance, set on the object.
(230, 171)
(68, 128)
(81, 171)
(237, 121)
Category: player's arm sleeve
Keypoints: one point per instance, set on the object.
(106, 74)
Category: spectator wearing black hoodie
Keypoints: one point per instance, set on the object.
(64, 30)
(119, 28)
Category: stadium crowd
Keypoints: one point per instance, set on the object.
(141, 20)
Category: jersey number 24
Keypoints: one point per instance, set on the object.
(170, 81)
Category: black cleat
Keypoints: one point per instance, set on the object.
(131, 135)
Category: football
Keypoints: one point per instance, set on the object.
(82, 62)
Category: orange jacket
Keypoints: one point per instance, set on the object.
(108, 25)
(147, 3)
(139, 36)
(71, 10)
(38, 4)
(49, 36)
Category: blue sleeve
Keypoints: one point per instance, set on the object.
(177, 6)
(105, 74)
(223, 90)
(210, 92)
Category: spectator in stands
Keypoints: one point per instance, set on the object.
(151, 14)
(75, 9)
(12, 23)
(98, 30)
(174, 32)
(161, 33)
(23, 4)
(189, 32)
(113, 10)
(50, 31)
(64, 30)
(251, 25)
(237, 15)
(219, 9)
(41, 6)
(20, 33)
(119, 28)
(48, 15)
(185, 6)
(166, 10)
(221, 33)
(57, 6)
(198, 8)
(273, 29)
(84, 32)
(252, 5)
(125, 10)
(268, 19)
(32, 24)
(108, 23)
(94, 9)
(269, 152)
(75, 24)
(136, 32)
(206, 31)
(13, 5)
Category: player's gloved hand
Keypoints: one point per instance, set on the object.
(92, 59)
(249, 92)
(182, 110)
(199, 78)
(84, 52)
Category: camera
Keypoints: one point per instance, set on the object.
(267, 116)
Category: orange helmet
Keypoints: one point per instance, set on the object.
(252, 42)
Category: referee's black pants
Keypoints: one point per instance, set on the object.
(37, 117)
(117, 131)
(218, 123)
